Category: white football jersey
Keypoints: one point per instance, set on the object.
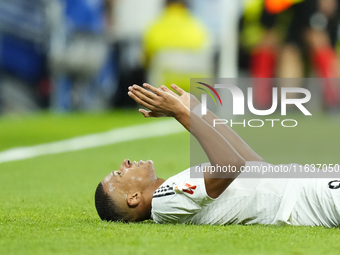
(182, 199)
(318, 204)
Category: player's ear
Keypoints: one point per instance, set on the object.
(134, 199)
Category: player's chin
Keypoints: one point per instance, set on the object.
(150, 162)
(150, 166)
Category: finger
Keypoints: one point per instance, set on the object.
(139, 101)
(178, 89)
(166, 89)
(141, 95)
(153, 89)
(146, 114)
(144, 91)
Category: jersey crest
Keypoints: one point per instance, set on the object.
(187, 188)
(168, 190)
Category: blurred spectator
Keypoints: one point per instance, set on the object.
(79, 56)
(305, 27)
(24, 37)
(220, 17)
(177, 47)
(129, 19)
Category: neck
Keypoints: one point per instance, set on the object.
(149, 194)
(158, 183)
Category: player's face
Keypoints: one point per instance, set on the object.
(130, 176)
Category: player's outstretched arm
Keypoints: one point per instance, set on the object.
(232, 137)
(217, 148)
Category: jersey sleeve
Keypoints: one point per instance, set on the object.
(180, 202)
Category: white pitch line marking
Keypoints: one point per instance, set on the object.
(124, 134)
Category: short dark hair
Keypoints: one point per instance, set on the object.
(106, 208)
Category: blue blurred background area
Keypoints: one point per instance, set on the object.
(67, 55)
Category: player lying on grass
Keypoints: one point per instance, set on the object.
(135, 193)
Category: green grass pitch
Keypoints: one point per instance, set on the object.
(47, 202)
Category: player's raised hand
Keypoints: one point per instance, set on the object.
(186, 98)
(159, 103)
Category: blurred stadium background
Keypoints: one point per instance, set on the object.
(65, 55)
(65, 66)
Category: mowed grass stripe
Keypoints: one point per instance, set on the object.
(18, 131)
(160, 128)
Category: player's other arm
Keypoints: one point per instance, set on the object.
(217, 148)
(230, 135)
(233, 138)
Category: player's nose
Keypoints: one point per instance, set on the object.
(127, 163)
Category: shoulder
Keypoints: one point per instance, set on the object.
(179, 198)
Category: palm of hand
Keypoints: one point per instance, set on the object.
(163, 100)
